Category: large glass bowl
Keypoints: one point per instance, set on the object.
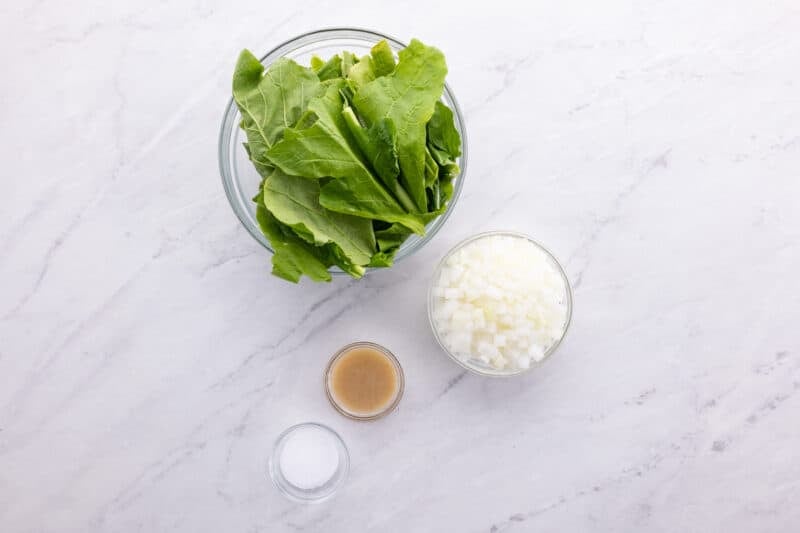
(240, 177)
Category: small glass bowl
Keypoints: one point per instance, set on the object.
(239, 176)
(475, 365)
(316, 494)
(401, 381)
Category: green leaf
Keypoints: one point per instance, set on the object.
(383, 259)
(433, 196)
(380, 62)
(344, 262)
(382, 58)
(323, 149)
(444, 146)
(439, 156)
(271, 102)
(449, 171)
(348, 60)
(391, 238)
(431, 169)
(316, 63)
(328, 149)
(295, 202)
(382, 151)
(407, 96)
(446, 187)
(292, 257)
(442, 132)
(361, 73)
(363, 197)
(331, 69)
(378, 145)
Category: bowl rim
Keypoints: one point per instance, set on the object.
(568, 296)
(229, 126)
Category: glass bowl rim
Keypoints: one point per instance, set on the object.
(401, 378)
(550, 350)
(229, 125)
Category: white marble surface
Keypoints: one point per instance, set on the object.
(148, 359)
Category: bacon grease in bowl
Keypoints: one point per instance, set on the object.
(364, 381)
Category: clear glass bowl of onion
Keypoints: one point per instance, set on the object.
(499, 304)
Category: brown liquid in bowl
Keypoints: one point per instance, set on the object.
(363, 381)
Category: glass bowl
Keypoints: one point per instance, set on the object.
(401, 382)
(304, 494)
(239, 176)
(476, 365)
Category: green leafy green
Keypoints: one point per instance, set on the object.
(379, 145)
(271, 102)
(348, 60)
(362, 197)
(431, 169)
(407, 96)
(323, 149)
(382, 259)
(446, 187)
(442, 132)
(296, 203)
(344, 262)
(356, 154)
(292, 256)
(361, 73)
(379, 62)
(391, 238)
(327, 149)
(383, 62)
(331, 69)
(316, 63)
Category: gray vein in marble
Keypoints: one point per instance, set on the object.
(193, 443)
(82, 35)
(78, 217)
(370, 290)
(15, 231)
(222, 261)
(279, 342)
(508, 157)
(452, 382)
(48, 358)
(313, 522)
(54, 246)
(509, 71)
(236, 434)
(582, 253)
(154, 472)
(674, 449)
(46, 261)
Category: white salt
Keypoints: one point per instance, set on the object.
(309, 457)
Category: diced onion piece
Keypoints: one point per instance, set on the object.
(501, 300)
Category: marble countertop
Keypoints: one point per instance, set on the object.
(148, 359)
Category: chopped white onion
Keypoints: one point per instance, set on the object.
(500, 299)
